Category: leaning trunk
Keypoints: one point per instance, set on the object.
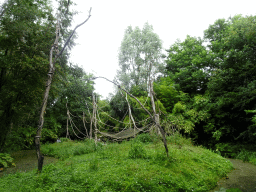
(40, 157)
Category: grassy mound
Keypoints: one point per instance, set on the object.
(137, 165)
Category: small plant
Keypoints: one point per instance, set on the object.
(225, 149)
(144, 138)
(6, 160)
(137, 151)
(244, 155)
(94, 164)
(64, 139)
(177, 139)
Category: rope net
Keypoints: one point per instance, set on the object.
(131, 127)
(127, 133)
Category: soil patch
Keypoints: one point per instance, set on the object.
(243, 177)
(25, 160)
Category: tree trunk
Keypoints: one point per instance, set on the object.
(151, 116)
(41, 119)
(48, 86)
(44, 104)
(156, 117)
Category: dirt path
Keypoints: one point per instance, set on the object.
(25, 161)
(243, 177)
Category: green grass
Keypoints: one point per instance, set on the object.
(137, 165)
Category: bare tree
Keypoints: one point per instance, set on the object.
(154, 117)
(49, 82)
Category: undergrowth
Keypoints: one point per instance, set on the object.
(137, 165)
(245, 152)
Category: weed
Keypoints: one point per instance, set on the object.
(177, 139)
(137, 151)
(145, 138)
(247, 156)
(90, 167)
(94, 164)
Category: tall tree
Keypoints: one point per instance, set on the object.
(25, 38)
(189, 64)
(139, 57)
(232, 85)
(27, 32)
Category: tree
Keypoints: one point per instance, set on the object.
(139, 57)
(166, 92)
(189, 65)
(232, 85)
(74, 93)
(49, 80)
(25, 38)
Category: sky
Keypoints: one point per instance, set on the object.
(100, 38)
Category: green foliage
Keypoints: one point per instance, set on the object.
(244, 155)
(23, 65)
(94, 164)
(189, 65)
(166, 93)
(188, 168)
(232, 84)
(144, 138)
(137, 151)
(139, 57)
(226, 149)
(187, 113)
(177, 139)
(67, 149)
(6, 160)
(27, 32)
(247, 156)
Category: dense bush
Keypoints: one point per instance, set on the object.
(6, 160)
(137, 151)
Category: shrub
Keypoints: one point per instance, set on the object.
(177, 139)
(64, 139)
(94, 164)
(144, 138)
(6, 160)
(137, 151)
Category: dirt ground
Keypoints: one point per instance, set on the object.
(25, 161)
(243, 177)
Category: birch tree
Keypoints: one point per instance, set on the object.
(139, 57)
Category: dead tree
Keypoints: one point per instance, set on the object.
(153, 117)
(40, 157)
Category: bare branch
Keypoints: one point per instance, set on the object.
(73, 34)
(4, 6)
(151, 116)
(128, 94)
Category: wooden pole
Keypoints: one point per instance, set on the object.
(95, 119)
(67, 134)
(151, 116)
(40, 157)
(85, 126)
